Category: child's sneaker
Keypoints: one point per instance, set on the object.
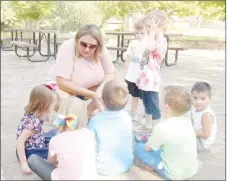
(141, 138)
(142, 127)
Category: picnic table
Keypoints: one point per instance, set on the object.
(12, 37)
(121, 47)
(34, 44)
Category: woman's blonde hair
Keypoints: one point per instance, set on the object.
(95, 32)
(40, 100)
(160, 17)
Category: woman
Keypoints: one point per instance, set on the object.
(83, 66)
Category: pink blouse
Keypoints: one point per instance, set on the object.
(86, 73)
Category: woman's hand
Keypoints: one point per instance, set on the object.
(98, 101)
(99, 92)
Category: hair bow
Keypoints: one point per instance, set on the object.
(70, 120)
(51, 86)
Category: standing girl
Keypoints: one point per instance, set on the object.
(149, 79)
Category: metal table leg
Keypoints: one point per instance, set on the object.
(122, 46)
(118, 44)
(55, 46)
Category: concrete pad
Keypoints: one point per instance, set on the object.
(8, 150)
(134, 173)
(14, 172)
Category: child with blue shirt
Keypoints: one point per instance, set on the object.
(113, 131)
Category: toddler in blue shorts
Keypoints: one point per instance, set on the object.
(171, 147)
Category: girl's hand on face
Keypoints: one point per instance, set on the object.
(150, 41)
(153, 26)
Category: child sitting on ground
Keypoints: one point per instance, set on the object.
(149, 77)
(73, 150)
(171, 148)
(132, 64)
(203, 117)
(113, 131)
(30, 136)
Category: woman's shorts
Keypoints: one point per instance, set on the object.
(133, 89)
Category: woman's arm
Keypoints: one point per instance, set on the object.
(108, 68)
(108, 77)
(21, 149)
(70, 87)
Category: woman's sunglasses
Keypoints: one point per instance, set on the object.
(85, 45)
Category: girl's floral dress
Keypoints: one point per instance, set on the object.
(31, 122)
(150, 75)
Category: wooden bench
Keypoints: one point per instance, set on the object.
(6, 41)
(23, 44)
(176, 49)
(26, 45)
(117, 48)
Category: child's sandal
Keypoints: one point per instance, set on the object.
(148, 168)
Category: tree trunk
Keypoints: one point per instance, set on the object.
(37, 25)
(33, 24)
(199, 21)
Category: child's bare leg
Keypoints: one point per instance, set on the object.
(149, 121)
(135, 103)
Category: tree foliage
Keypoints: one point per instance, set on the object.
(70, 15)
(213, 9)
(107, 10)
(118, 9)
(7, 14)
(32, 10)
